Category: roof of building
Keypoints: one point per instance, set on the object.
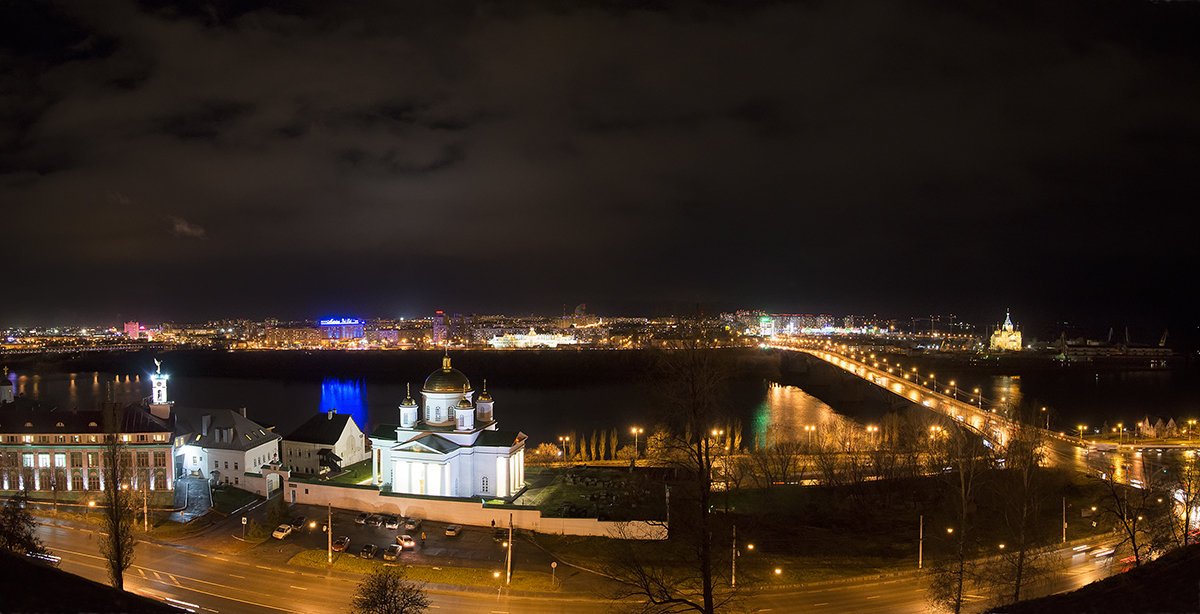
(322, 428)
(441, 444)
(447, 379)
(31, 418)
(505, 439)
(494, 439)
(229, 430)
(388, 431)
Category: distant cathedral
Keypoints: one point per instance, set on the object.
(1006, 337)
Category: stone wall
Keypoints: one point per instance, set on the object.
(462, 511)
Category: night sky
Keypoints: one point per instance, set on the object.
(187, 161)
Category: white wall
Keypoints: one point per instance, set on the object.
(464, 512)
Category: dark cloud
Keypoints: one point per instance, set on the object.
(843, 156)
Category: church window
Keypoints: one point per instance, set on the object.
(485, 484)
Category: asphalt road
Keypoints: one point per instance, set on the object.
(218, 583)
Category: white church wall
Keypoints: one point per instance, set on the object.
(465, 512)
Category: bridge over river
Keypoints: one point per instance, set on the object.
(1123, 464)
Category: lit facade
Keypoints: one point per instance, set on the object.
(1006, 337)
(44, 450)
(449, 445)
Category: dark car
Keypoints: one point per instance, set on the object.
(362, 518)
(375, 520)
(368, 551)
(392, 553)
(340, 544)
(391, 522)
(412, 524)
(500, 535)
(298, 522)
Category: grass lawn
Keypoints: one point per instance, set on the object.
(227, 499)
(610, 493)
(166, 529)
(358, 473)
(461, 576)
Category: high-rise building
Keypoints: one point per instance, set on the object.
(132, 330)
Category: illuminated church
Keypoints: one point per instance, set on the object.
(1006, 337)
(449, 445)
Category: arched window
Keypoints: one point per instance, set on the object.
(485, 484)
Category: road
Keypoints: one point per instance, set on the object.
(218, 583)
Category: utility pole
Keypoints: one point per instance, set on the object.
(145, 506)
(329, 533)
(733, 570)
(1064, 520)
(508, 577)
(921, 544)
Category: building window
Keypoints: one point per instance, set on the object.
(226, 464)
(235, 481)
(91, 459)
(160, 459)
(235, 465)
(77, 459)
(143, 459)
(60, 460)
(485, 484)
(93, 482)
(26, 460)
(216, 464)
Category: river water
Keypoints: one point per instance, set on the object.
(1074, 396)
(544, 415)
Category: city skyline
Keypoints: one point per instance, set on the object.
(177, 163)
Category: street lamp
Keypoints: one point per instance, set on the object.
(810, 430)
(1121, 436)
(1191, 428)
(564, 440)
(636, 431)
(1047, 414)
(955, 387)
(1081, 428)
(979, 397)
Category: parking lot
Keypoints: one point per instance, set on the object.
(473, 547)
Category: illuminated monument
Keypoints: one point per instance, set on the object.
(451, 446)
(1006, 337)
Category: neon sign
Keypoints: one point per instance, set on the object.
(339, 321)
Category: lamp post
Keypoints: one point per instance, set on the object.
(563, 441)
(1121, 436)
(1047, 415)
(329, 534)
(954, 385)
(1191, 428)
(636, 431)
(979, 397)
(1081, 428)
(810, 430)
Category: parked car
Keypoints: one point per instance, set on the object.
(368, 551)
(362, 518)
(340, 544)
(391, 522)
(282, 531)
(412, 524)
(298, 522)
(500, 535)
(375, 520)
(406, 542)
(453, 530)
(392, 553)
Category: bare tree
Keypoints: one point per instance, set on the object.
(1186, 477)
(1023, 486)
(386, 591)
(18, 530)
(117, 515)
(966, 456)
(777, 461)
(679, 575)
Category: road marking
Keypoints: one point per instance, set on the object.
(820, 604)
(156, 576)
(141, 572)
(298, 587)
(174, 579)
(237, 576)
(873, 597)
(262, 567)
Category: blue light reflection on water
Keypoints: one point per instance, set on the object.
(346, 396)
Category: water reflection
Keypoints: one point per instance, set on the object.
(347, 396)
(790, 414)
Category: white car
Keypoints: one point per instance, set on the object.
(283, 531)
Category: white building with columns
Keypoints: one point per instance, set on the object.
(449, 445)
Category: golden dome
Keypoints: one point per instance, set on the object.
(464, 403)
(408, 400)
(483, 395)
(447, 379)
